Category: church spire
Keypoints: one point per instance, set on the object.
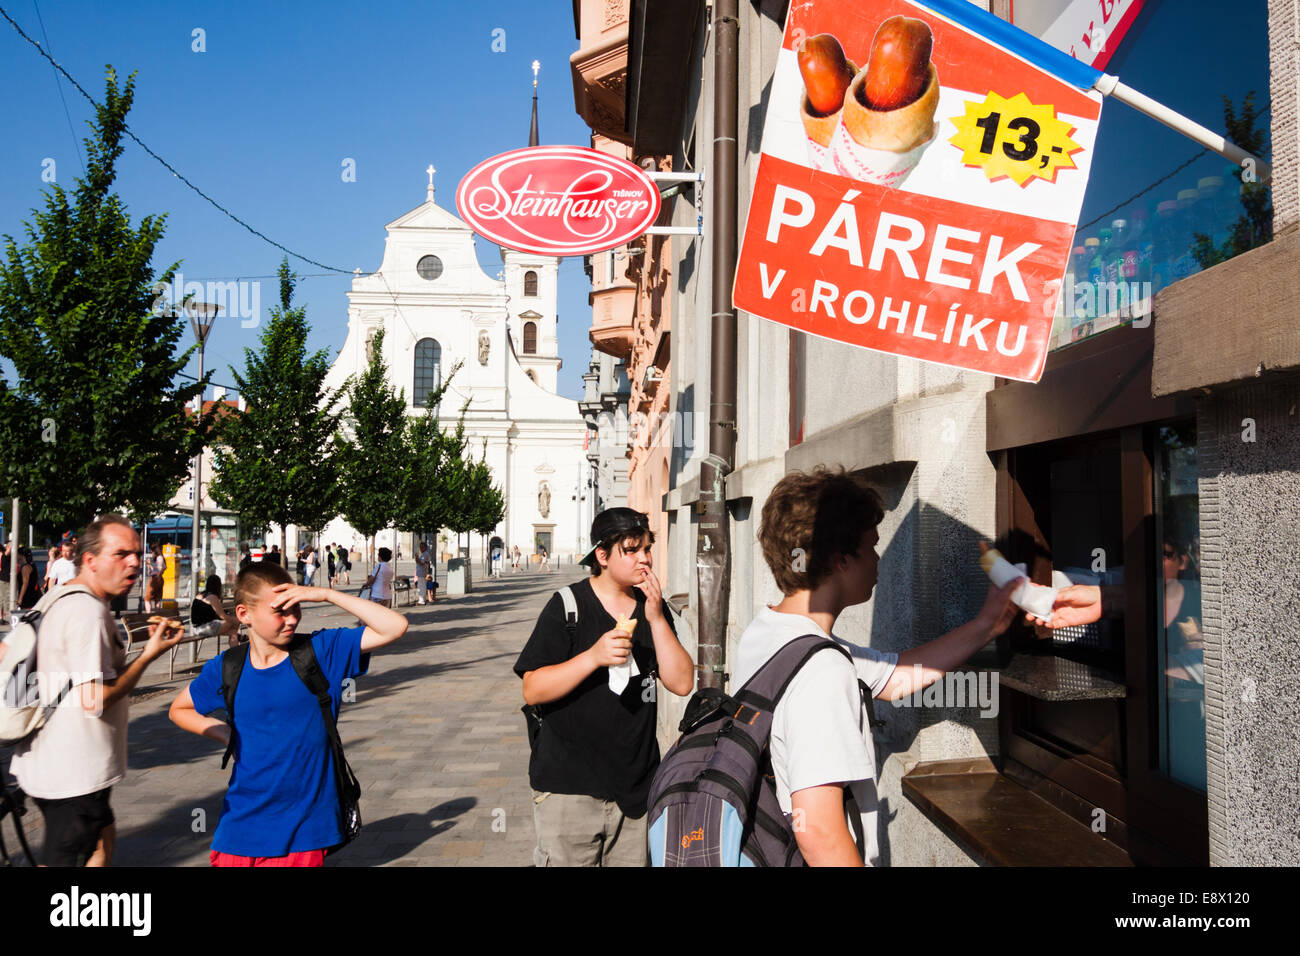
(532, 132)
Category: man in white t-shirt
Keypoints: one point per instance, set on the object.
(819, 537)
(64, 569)
(72, 763)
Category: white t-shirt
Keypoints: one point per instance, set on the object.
(382, 586)
(820, 730)
(62, 571)
(76, 752)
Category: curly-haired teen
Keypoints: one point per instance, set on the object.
(819, 537)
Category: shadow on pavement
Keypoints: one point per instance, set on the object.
(394, 837)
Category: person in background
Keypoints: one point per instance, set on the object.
(422, 575)
(29, 585)
(208, 615)
(514, 560)
(345, 567)
(154, 571)
(331, 564)
(5, 574)
(63, 569)
(380, 580)
(546, 560)
(309, 572)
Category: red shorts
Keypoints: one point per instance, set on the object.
(304, 858)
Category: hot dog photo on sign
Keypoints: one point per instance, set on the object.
(874, 123)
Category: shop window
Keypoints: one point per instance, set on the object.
(1110, 713)
(1158, 208)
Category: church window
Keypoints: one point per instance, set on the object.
(530, 338)
(428, 370)
(533, 376)
(429, 267)
(530, 283)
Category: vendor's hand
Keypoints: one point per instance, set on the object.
(998, 611)
(1077, 604)
(1192, 636)
(649, 585)
(611, 650)
(286, 596)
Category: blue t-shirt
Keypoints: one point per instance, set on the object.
(282, 797)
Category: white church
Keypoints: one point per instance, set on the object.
(438, 308)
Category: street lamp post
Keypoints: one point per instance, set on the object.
(202, 316)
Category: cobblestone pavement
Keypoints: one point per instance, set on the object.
(435, 737)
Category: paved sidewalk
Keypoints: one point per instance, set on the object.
(435, 737)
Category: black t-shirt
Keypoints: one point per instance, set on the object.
(593, 742)
(201, 613)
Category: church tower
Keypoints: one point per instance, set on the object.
(532, 286)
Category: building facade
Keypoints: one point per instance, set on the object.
(630, 294)
(438, 312)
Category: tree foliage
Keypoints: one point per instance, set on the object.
(93, 421)
(371, 448)
(1254, 226)
(430, 458)
(275, 461)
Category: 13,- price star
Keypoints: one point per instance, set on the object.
(1014, 138)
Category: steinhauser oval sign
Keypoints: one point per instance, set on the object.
(557, 200)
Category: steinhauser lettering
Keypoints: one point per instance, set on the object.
(580, 203)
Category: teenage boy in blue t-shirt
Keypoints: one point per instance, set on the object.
(282, 807)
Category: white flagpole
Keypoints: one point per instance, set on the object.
(1111, 86)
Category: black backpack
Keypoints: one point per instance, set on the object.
(713, 799)
(305, 665)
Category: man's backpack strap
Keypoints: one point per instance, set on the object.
(789, 660)
(232, 665)
(570, 610)
(532, 713)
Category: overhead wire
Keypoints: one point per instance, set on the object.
(166, 165)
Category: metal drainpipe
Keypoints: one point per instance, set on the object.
(713, 541)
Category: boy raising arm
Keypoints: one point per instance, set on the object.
(282, 807)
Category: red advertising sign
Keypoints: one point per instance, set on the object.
(558, 200)
(918, 188)
(1088, 30)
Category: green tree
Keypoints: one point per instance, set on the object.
(428, 457)
(94, 421)
(275, 461)
(1254, 226)
(372, 448)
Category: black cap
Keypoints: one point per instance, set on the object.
(612, 525)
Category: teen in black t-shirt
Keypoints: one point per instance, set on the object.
(596, 753)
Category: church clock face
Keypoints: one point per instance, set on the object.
(429, 267)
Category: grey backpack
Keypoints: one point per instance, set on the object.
(713, 799)
(22, 713)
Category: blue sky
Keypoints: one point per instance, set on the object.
(263, 120)
(285, 92)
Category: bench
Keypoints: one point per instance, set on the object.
(136, 628)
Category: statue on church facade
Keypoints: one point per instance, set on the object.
(484, 346)
(544, 499)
